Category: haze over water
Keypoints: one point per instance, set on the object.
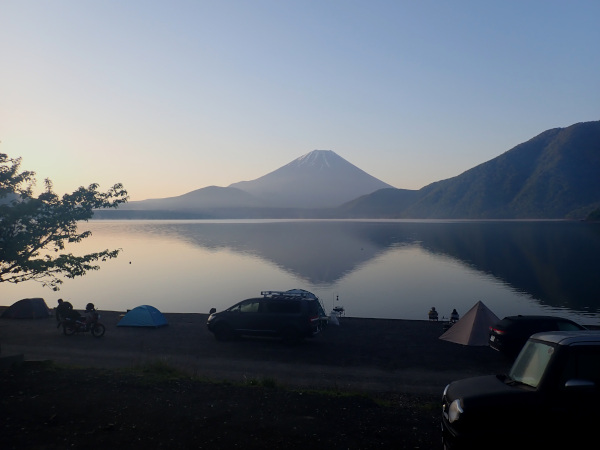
(376, 269)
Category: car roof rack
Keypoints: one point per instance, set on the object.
(284, 294)
(301, 293)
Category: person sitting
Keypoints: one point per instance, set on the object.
(454, 316)
(433, 315)
(90, 313)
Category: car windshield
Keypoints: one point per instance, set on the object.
(531, 363)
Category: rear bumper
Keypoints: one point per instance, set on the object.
(313, 332)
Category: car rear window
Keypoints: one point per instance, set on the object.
(542, 325)
(567, 326)
(313, 308)
(505, 324)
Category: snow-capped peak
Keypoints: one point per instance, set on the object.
(316, 158)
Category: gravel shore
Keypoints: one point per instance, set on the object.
(359, 354)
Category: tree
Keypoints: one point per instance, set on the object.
(34, 230)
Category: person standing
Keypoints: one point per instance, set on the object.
(63, 310)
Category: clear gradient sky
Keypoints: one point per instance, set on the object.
(171, 96)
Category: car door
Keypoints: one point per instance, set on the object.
(243, 316)
(579, 389)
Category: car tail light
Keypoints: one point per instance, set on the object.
(313, 319)
(496, 330)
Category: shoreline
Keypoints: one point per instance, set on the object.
(360, 354)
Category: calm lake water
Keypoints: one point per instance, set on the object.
(375, 269)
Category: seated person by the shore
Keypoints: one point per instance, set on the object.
(432, 314)
(453, 319)
(454, 316)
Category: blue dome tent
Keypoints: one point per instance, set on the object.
(143, 316)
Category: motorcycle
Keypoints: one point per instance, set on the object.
(80, 325)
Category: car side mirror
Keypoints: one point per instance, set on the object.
(212, 310)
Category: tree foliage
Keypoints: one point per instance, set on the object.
(35, 230)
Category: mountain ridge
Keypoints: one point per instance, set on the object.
(553, 175)
(207, 197)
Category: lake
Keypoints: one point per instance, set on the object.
(374, 269)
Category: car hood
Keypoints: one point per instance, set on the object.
(489, 389)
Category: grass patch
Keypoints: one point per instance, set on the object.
(46, 364)
(160, 370)
(262, 382)
(337, 393)
(428, 406)
(384, 402)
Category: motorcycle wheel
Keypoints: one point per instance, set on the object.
(98, 330)
(69, 329)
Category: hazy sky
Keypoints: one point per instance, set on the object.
(171, 96)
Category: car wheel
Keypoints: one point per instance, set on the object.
(223, 332)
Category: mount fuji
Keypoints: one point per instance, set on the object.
(319, 179)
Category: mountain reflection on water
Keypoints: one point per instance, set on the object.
(554, 262)
(384, 269)
(319, 252)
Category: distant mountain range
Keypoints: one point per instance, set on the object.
(555, 175)
(318, 180)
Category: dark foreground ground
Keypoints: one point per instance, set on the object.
(368, 383)
(59, 408)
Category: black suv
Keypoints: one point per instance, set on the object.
(291, 318)
(510, 334)
(549, 399)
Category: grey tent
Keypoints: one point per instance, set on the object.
(27, 308)
(473, 328)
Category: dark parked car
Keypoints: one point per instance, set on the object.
(549, 399)
(291, 318)
(510, 334)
